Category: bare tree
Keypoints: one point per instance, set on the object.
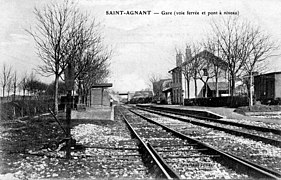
(9, 87)
(243, 46)
(187, 69)
(217, 67)
(6, 77)
(95, 70)
(205, 71)
(28, 83)
(195, 65)
(15, 84)
(22, 83)
(62, 34)
(93, 61)
(36, 87)
(257, 49)
(153, 78)
(95, 77)
(231, 35)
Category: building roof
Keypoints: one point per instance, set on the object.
(210, 56)
(161, 81)
(278, 72)
(102, 85)
(221, 85)
(123, 94)
(167, 83)
(206, 55)
(167, 89)
(173, 69)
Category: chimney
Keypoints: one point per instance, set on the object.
(187, 54)
(179, 59)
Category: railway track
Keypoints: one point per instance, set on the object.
(276, 131)
(266, 135)
(260, 155)
(121, 156)
(183, 157)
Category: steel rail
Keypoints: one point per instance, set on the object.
(164, 172)
(235, 163)
(249, 162)
(274, 142)
(176, 111)
(163, 163)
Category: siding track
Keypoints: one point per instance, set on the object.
(185, 157)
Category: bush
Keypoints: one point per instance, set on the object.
(227, 101)
(276, 101)
(258, 108)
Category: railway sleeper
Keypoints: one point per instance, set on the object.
(230, 131)
(115, 148)
(263, 129)
(196, 156)
(174, 145)
(184, 150)
(222, 158)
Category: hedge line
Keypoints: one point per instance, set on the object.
(226, 101)
(22, 108)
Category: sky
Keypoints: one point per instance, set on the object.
(143, 45)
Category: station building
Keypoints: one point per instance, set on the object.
(179, 89)
(99, 96)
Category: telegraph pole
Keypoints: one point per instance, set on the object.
(69, 80)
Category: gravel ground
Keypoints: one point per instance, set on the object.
(230, 114)
(241, 129)
(257, 123)
(258, 152)
(111, 153)
(254, 123)
(193, 165)
(277, 116)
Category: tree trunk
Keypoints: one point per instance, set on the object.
(86, 97)
(232, 90)
(250, 90)
(3, 91)
(217, 87)
(188, 88)
(195, 87)
(79, 92)
(206, 89)
(56, 94)
(15, 89)
(232, 85)
(68, 125)
(185, 88)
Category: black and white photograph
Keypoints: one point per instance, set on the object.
(140, 89)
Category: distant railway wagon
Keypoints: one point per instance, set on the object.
(267, 87)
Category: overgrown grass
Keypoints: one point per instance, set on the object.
(20, 136)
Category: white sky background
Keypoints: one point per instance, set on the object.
(143, 45)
